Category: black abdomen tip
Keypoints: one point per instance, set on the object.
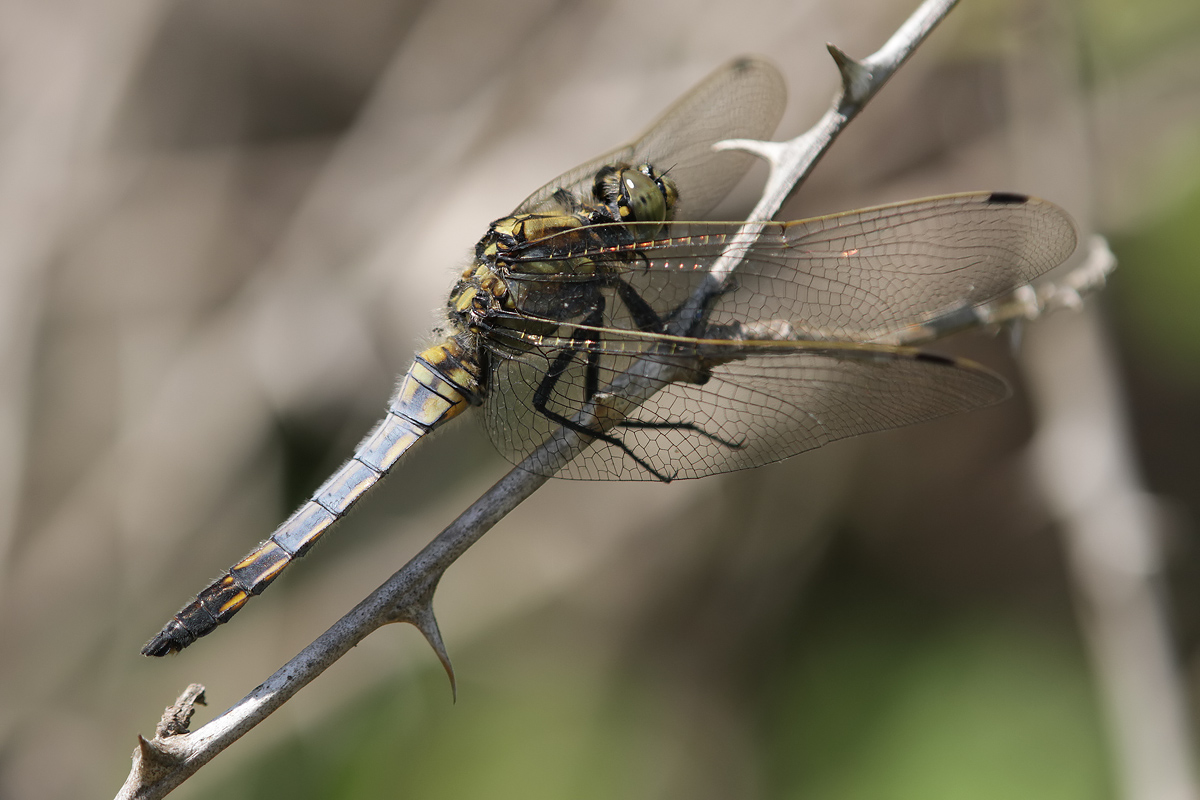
(167, 641)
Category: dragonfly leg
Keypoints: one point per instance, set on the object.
(591, 386)
(647, 319)
(684, 426)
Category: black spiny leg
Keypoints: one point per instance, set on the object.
(591, 386)
(647, 319)
(683, 426)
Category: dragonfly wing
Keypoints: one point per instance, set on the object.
(857, 276)
(876, 270)
(831, 287)
(775, 405)
(758, 404)
(743, 99)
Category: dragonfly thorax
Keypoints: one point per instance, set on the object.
(508, 236)
(539, 263)
(562, 223)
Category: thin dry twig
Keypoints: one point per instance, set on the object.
(178, 716)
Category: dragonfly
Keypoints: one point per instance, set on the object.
(600, 308)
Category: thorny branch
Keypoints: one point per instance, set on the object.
(161, 764)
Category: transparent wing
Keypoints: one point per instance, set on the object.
(743, 99)
(838, 282)
(855, 276)
(763, 405)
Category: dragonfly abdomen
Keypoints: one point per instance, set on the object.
(440, 384)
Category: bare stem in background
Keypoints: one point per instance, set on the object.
(53, 125)
(1082, 459)
(1084, 456)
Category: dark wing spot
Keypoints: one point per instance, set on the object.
(934, 358)
(1008, 198)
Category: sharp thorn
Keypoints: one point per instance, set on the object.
(856, 76)
(422, 619)
(154, 755)
(152, 761)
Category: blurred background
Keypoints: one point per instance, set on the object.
(226, 226)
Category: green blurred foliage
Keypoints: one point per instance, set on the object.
(881, 706)
(542, 726)
(1157, 288)
(874, 698)
(1125, 35)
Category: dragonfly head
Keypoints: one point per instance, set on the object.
(635, 194)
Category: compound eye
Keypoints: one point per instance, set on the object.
(665, 185)
(641, 198)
